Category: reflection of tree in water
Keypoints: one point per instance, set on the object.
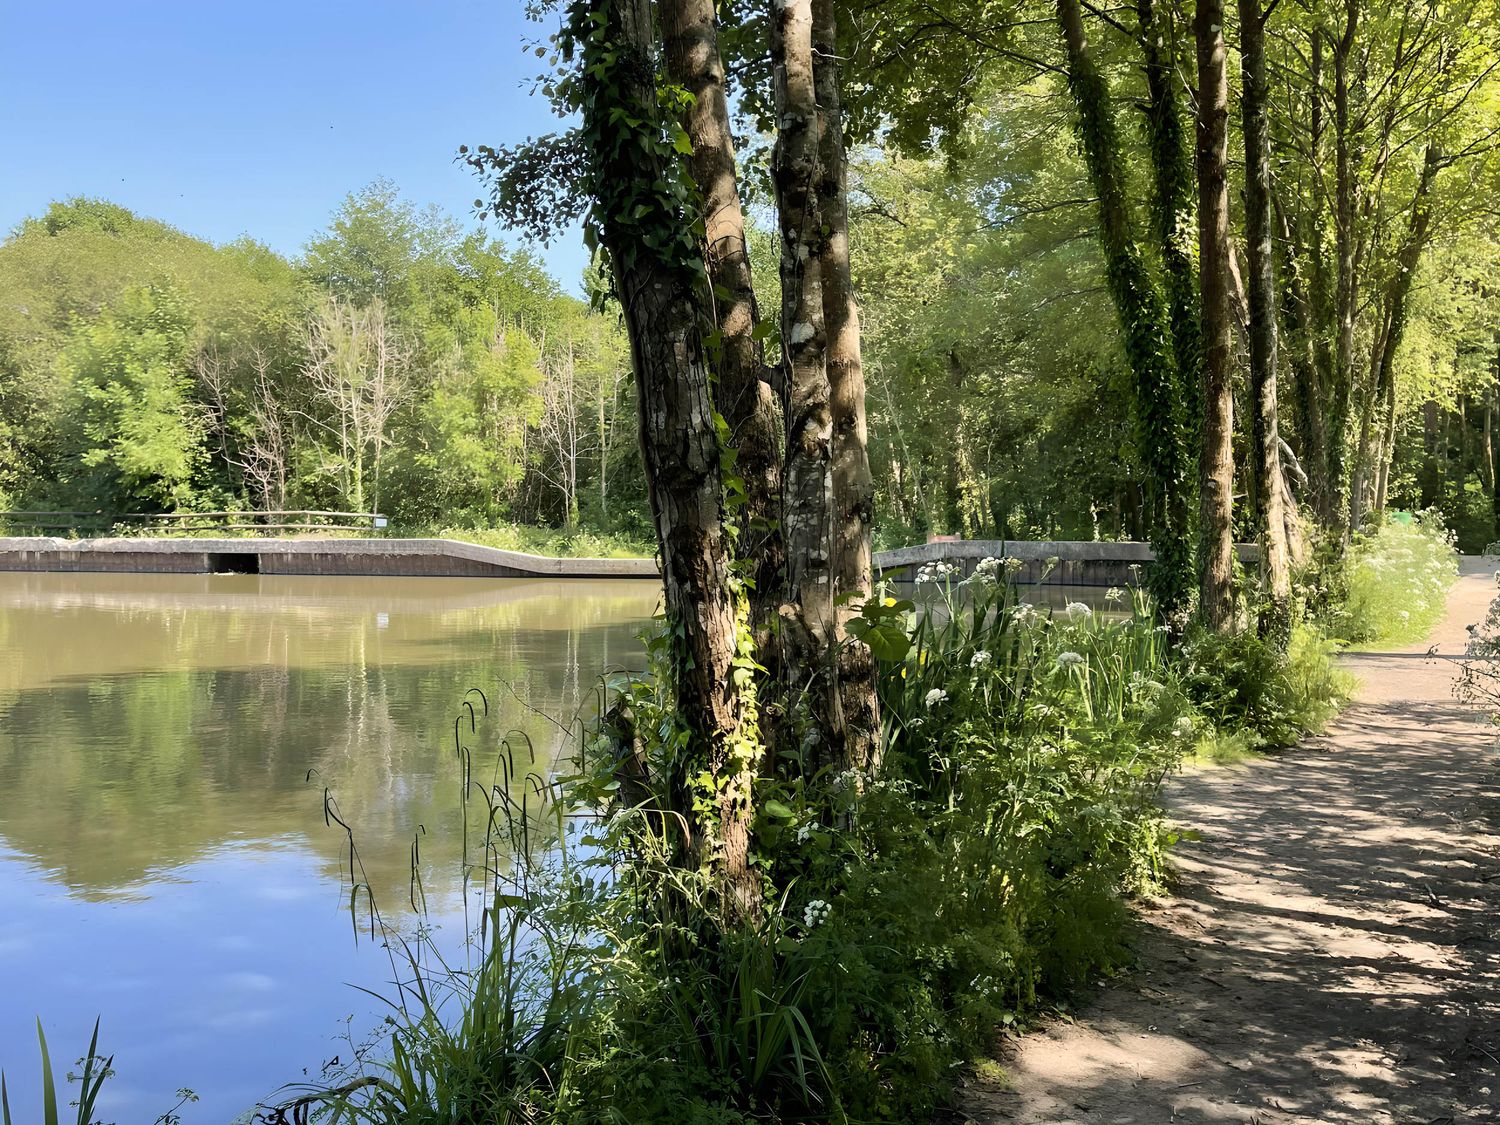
(111, 773)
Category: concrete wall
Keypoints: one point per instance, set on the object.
(1060, 563)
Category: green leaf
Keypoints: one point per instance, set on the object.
(778, 811)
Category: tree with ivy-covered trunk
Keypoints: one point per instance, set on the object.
(742, 388)
(1144, 319)
(623, 159)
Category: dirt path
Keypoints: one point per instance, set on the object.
(1333, 953)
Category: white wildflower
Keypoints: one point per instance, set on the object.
(1183, 727)
(816, 913)
(1114, 594)
(979, 659)
(1069, 659)
(1078, 609)
(806, 833)
(934, 697)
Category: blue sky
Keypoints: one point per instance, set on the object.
(257, 118)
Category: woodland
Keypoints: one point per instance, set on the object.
(864, 271)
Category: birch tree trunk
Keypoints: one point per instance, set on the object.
(808, 627)
(853, 487)
(1216, 456)
(743, 395)
(1275, 560)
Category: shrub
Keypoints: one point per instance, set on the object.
(1394, 583)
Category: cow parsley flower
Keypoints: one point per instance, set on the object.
(979, 659)
(816, 913)
(934, 697)
(1069, 659)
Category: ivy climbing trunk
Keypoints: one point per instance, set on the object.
(1173, 220)
(1144, 320)
(1275, 618)
(853, 487)
(659, 277)
(1216, 453)
(809, 630)
(742, 393)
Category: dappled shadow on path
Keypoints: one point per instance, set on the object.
(1332, 953)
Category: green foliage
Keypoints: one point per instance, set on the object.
(1392, 585)
(142, 369)
(132, 400)
(1242, 683)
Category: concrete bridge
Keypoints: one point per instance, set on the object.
(1063, 562)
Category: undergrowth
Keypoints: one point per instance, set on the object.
(1391, 585)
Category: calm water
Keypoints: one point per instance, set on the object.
(164, 861)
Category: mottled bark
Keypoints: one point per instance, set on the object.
(808, 626)
(742, 393)
(853, 487)
(1216, 455)
(1275, 565)
(665, 310)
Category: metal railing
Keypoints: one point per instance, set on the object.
(169, 523)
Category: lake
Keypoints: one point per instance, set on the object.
(165, 863)
(166, 742)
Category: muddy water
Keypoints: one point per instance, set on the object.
(166, 742)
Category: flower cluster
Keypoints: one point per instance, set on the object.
(815, 913)
(1069, 659)
(934, 697)
(979, 659)
(935, 572)
(1076, 610)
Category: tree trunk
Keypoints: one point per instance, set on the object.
(1345, 294)
(808, 626)
(1173, 219)
(1144, 321)
(666, 317)
(1216, 457)
(1394, 306)
(853, 486)
(1275, 565)
(742, 394)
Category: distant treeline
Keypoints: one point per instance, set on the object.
(399, 364)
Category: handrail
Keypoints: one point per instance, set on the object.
(310, 520)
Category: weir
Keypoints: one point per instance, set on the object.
(1055, 562)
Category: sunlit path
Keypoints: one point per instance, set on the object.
(1333, 953)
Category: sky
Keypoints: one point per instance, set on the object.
(224, 118)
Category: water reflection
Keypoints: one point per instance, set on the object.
(164, 860)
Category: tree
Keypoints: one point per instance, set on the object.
(1275, 561)
(1144, 319)
(1216, 455)
(360, 366)
(139, 429)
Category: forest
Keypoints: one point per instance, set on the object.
(407, 364)
(864, 272)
